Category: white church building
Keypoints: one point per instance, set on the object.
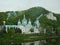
(25, 26)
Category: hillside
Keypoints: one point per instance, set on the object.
(12, 17)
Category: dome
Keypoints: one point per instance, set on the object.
(24, 21)
(19, 22)
(29, 22)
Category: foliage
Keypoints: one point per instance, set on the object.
(31, 30)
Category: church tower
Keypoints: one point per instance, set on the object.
(24, 21)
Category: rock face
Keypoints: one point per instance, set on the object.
(51, 16)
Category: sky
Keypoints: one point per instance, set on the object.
(19, 5)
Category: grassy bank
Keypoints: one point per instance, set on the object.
(7, 39)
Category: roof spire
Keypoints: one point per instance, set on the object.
(24, 16)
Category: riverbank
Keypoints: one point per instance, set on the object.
(18, 38)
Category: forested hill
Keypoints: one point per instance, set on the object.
(11, 17)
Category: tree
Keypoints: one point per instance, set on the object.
(3, 17)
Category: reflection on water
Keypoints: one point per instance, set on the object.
(42, 42)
